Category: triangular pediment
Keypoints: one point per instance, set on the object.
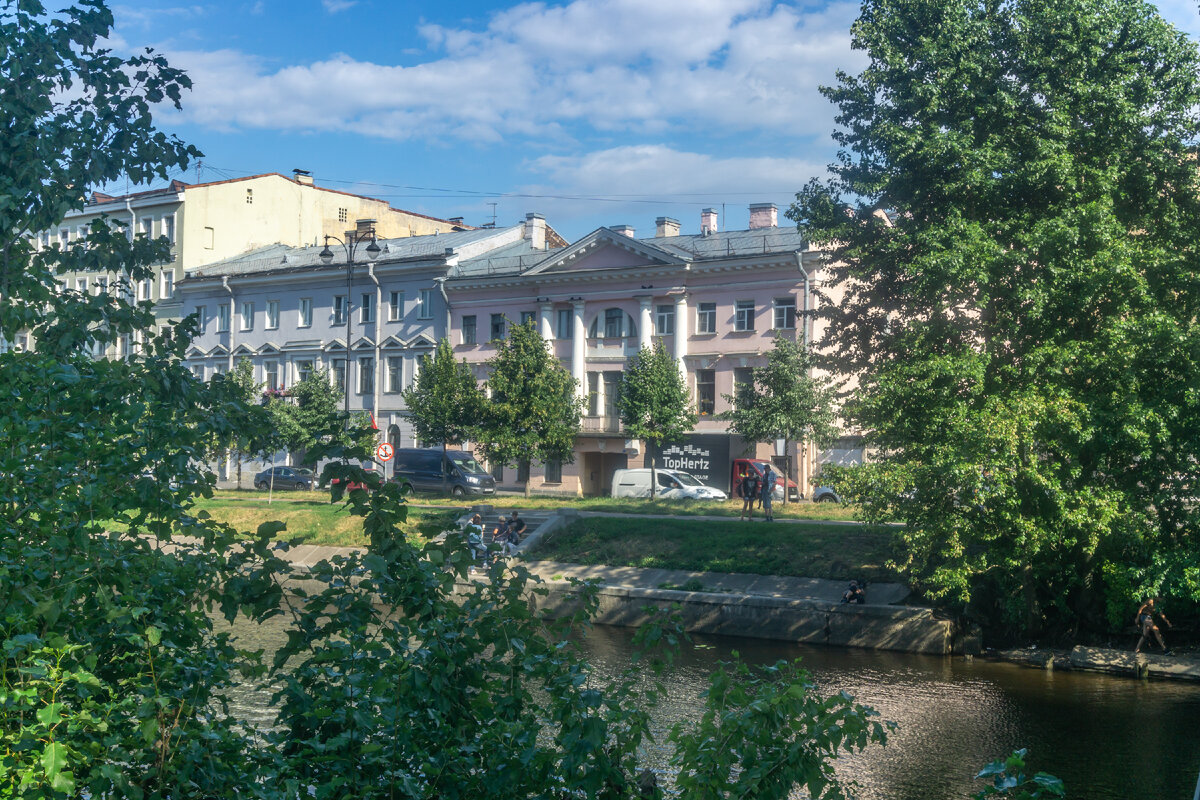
(242, 350)
(422, 340)
(219, 350)
(604, 249)
(392, 342)
(269, 348)
(334, 344)
(364, 343)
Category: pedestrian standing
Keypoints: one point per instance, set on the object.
(749, 490)
(768, 491)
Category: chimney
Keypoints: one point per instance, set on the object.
(364, 227)
(624, 230)
(708, 221)
(763, 215)
(303, 177)
(457, 221)
(535, 230)
(666, 226)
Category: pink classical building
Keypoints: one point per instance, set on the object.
(715, 299)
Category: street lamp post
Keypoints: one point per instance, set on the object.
(364, 233)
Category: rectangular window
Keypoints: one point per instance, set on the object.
(366, 375)
(198, 371)
(339, 374)
(554, 471)
(305, 312)
(248, 316)
(706, 318)
(612, 393)
(223, 318)
(343, 215)
(272, 314)
(210, 238)
(102, 285)
(395, 306)
(271, 374)
(706, 392)
(202, 317)
(664, 320)
(144, 289)
(566, 324)
(304, 369)
(395, 374)
(168, 284)
(64, 236)
(82, 285)
(497, 327)
(613, 317)
(169, 228)
(249, 197)
(425, 304)
(744, 316)
(526, 317)
(743, 383)
(339, 309)
(147, 226)
(593, 397)
(366, 312)
(785, 313)
(220, 368)
(468, 329)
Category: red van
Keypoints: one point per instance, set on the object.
(759, 465)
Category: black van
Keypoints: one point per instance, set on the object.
(420, 470)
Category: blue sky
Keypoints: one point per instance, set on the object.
(592, 112)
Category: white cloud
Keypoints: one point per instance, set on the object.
(712, 66)
(334, 6)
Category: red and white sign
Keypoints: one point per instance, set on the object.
(384, 452)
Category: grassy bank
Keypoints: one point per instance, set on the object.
(837, 552)
(681, 508)
(316, 520)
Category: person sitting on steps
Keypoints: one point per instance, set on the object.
(855, 593)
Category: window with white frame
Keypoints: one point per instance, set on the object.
(201, 317)
(468, 329)
(169, 228)
(566, 324)
(706, 318)
(366, 311)
(272, 314)
(305, 320)
(785, 313)
(366, 375)
(102, 284)
(223, 318)
(64, 236)
(526, 317)
(743, 384)
(593, 394)
(168, 284)
(664, 320)
(304, 369)
(497, 332)
(743, 319)
(248, 315)
(146, 226)
(613, 317)
(339, 374)
(144, 289)
(220, 368)
(271, 375)
(425, 304)
(612, 393)
(395, 306)
(395, 375)
(339, 309)
(706, 392)
(198, 371)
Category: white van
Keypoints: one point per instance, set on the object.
(672, 485)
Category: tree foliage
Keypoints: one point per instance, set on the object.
(311, 417)
(1014, 223)
(533, 410)
(654, 400)
(784, 401)
(445, 402)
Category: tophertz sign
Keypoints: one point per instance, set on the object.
(703, 455)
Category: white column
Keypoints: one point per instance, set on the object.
(578, 349)
(546, 311)
(645, 322)
(681, 331)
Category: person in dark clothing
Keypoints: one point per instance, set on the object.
(768, 493)
(516, 525)
(1145, 622)
(749, 489)
(855, 594)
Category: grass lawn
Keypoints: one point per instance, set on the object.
(689, 508)
(312, 519)
(836, 552)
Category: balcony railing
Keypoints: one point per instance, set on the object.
(605, 424)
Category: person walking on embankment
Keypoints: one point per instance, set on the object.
(1145, 621)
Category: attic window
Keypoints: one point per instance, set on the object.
(343, 215)
(249, 197)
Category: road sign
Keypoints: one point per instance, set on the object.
(384, 452)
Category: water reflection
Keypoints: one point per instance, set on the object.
(1108, 738)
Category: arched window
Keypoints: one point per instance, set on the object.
(614, 323)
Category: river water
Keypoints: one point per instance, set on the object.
(1108, 738)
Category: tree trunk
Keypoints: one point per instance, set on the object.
(653, 478)
(787, 468)
(445, 467)
(528, 481)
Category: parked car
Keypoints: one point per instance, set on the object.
(284, 478)
(422, 470)
(759, 465)
(824, 494)
(672, 485)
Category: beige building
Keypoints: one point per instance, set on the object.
(209, 222)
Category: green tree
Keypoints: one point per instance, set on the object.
(533, 411)
(654, 401)
(244, 389)
(1014, 225)
(311, 418)
(445, 401)
(784, 401)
